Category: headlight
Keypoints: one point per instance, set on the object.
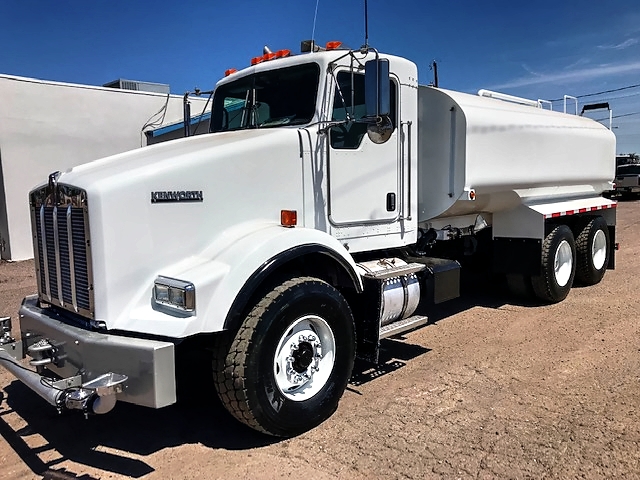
(175, 293)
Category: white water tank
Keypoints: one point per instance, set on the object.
(504, 154)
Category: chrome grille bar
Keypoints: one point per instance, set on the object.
(72, 267)
(45, 255)
(56, 242)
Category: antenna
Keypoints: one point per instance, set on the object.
(366, 24)
(434, 65)
(313, 32)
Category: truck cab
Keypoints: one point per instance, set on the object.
(364, 198)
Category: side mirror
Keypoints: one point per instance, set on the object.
(376, 88)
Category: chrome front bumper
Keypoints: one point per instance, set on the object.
(73, 352)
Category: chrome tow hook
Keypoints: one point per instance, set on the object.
(42, 353)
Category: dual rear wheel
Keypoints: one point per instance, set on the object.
(566, 259)
(593, 246)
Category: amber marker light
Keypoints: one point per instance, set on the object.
(288, 218)
(333, 45)
(230, 71)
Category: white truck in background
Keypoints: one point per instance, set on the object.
(627, 182)
(332, 195)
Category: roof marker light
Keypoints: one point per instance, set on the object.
(268, 56)
(230, 71)
(256, 60)
(333, 45)
(283, 53)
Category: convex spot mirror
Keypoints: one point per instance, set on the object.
(380, 131)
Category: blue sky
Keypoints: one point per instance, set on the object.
(535, 49)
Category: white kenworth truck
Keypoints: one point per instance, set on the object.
(332, 195)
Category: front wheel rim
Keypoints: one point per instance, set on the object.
(599, 250)
(563, 263)
(304, 358)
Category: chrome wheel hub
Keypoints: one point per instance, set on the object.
(599, 249)
(304, 358)
(563, 263)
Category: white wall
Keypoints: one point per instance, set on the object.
(47, 126)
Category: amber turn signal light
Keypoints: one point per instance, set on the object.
(288, 218)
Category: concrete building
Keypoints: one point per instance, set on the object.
(47, 126)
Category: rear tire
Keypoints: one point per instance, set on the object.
(592, 248)
(558, 266)
(286, 368)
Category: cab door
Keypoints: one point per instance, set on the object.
(364, 180)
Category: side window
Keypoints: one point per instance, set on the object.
(349, 136)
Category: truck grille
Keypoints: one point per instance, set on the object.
(60, 226)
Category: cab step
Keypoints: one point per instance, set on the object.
(394, 271)
(402, 326)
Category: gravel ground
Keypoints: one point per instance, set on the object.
(491, 388)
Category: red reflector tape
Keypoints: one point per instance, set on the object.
(581, 210)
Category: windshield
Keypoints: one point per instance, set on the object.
(269, 99)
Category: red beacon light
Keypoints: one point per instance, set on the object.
(230, 71)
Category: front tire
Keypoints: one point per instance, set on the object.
(592, 246)
(558, 266)
(285, 370)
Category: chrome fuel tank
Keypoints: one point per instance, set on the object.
(399, 288)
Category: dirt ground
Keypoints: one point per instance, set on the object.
(491, 388)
